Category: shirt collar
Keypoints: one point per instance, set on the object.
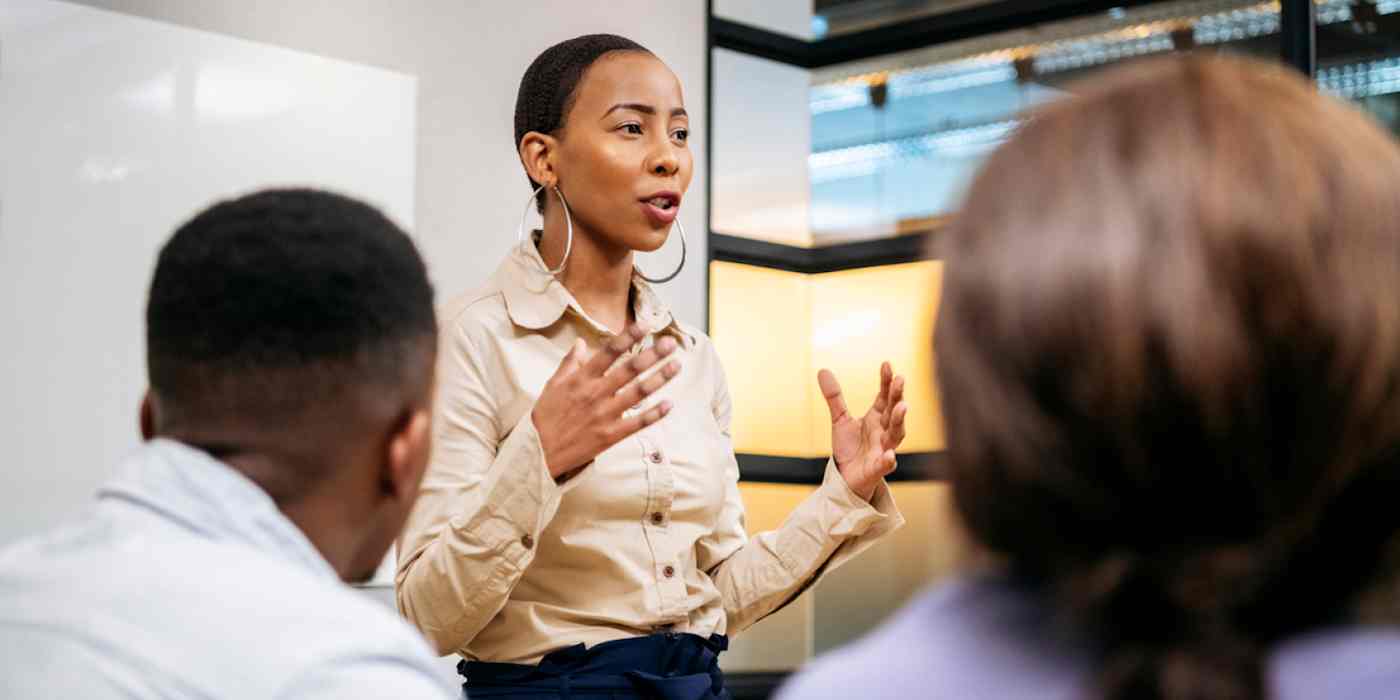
(536, 300)
(188, 487)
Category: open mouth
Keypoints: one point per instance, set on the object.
(663, 202)
(661, 208)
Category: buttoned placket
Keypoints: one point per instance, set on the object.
(656, 519)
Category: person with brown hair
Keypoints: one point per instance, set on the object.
(1169, 355)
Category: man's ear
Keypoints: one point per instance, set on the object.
(148, 416)
(410, 446)
(537, 153)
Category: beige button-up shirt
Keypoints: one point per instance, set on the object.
(498, 562)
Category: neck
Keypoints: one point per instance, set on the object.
(599, 273)
(321, 510)
(324, 523)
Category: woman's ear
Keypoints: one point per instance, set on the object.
(537, 154)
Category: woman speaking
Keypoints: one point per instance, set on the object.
(580, 532)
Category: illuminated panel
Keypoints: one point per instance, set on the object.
(775, 329)
(760, 320)
(862, 317)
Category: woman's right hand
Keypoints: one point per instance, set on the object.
(579, 412)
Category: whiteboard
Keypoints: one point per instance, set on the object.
(113, 131)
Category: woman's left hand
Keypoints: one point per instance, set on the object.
(864, 447)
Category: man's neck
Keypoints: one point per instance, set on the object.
(304, 491)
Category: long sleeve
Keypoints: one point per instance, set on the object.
(758, 575)
(500, 564)
(485, 499)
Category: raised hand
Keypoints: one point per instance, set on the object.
(579, 413)
(864, 447)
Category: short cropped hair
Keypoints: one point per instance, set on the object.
(283, 297)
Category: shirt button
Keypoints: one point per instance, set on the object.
(656, 457)
(669, 571)
(527, 541)
(657, 518)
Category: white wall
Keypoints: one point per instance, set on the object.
(113, 130)
(791, 17)
(468, 57)
(463, 197)
(467, 186)
(762, 139)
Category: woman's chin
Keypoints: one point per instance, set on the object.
(648, 241)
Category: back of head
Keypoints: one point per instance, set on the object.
(291, 322)
(1169, 355)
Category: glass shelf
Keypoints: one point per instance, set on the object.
(884, 147)
(1359, 60)
(896, 140)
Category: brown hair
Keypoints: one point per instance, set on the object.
(1169, 353)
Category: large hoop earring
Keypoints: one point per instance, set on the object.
(671, 276)
(568, 220)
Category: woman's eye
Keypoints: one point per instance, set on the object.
(681, 134)
(632, 128)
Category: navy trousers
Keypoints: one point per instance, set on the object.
(661, 666)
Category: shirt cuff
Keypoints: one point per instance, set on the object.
(853, 516)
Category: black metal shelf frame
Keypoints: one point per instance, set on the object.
(830, 258)
(1298, 30)
(979, 20)
(911, 466)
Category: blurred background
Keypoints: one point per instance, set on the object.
(833, 141)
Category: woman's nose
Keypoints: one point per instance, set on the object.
(663, 160)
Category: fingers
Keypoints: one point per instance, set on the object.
(634, 394)
(639, 390)
(622, 374)
(831, 390)
(895, 397)
(613, 349)
(573, 359)
(894, 434)
(628, 426)
(887, 462)
(882, 400)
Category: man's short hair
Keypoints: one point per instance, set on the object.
(284, 297)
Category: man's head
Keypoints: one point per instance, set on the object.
(291, 334)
